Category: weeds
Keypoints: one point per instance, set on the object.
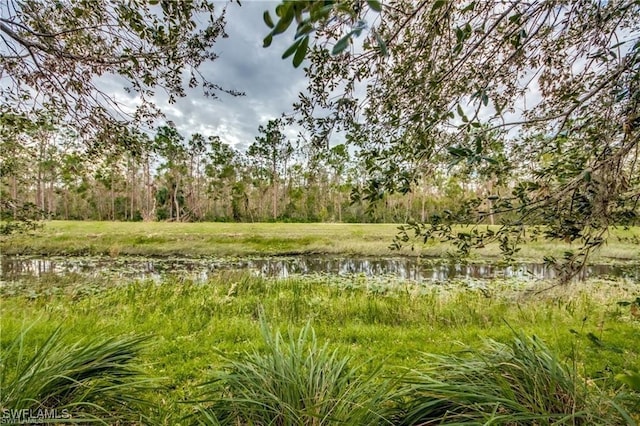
(200, 327)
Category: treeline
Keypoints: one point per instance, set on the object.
(168, 177)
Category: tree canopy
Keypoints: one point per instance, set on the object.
(541, 99)
(54, 52)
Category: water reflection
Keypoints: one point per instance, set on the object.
(13, 268)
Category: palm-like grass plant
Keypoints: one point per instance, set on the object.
(96, 380)
(295, 381)
(519, 384)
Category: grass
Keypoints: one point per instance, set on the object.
(243, 239)
(220, 363)
(201, 239)
(518, 383)
(294, 381)
(198, 328)
(88, 380)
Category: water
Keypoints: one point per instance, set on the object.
(14, 268)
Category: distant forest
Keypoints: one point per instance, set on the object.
(167, 177)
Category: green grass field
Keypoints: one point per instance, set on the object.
(241, 239)
(194, 326)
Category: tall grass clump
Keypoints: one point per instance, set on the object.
(95, 381)
(523, 383)
(294, 381)
(629, 395)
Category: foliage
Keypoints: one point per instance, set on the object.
(16, 217)
(271, 150)
(270, 153)
(93, 380)
(169, 177)
(629, 397)
(53, 54)
(521, 383)
(296, 381)
(539, 100)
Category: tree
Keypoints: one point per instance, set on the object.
(53, 54)
(16, 214)
(221, 170)
(557, 84)
(169, 144)
(270, 153)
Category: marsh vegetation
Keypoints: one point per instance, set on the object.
(235, 347)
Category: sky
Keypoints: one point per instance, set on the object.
(271, 84)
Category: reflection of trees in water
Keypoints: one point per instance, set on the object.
(403, 268)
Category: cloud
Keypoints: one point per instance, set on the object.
(271, 84)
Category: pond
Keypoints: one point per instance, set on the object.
(15, 268)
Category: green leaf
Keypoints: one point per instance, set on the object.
(456, 152)
(291, 49)
(469, 7)
(267, 19)
(297, 11)
(301, 52)
(357, 29)
(284, 21)
(341, 45)
(438, 4)
(381, 44)
(317, 14)
(459, 34)
(375, 5)
(478, 145)
(594, 339)
(630, 378)
(303, 29)
(267, 41)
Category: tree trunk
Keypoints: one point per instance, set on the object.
(175, 200)
(14, 195)
(275, 199)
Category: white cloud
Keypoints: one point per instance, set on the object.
(271, 84)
